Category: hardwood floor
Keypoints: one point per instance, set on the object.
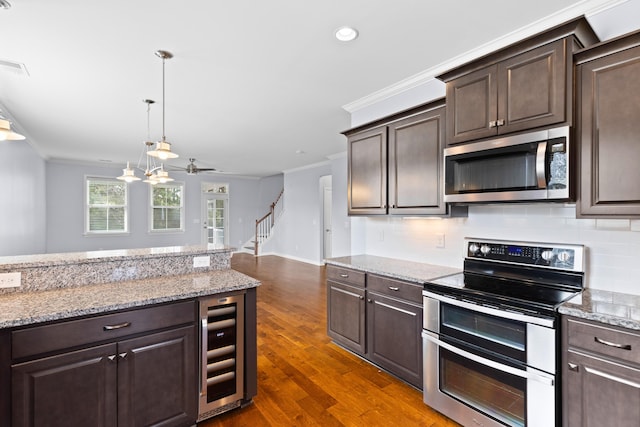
(303, 378)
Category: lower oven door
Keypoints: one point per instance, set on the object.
(474, 390)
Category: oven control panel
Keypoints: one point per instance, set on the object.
(558, 256)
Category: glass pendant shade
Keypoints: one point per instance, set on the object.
(162, 176)
(162, 151)
(128, 174)
(6, 134)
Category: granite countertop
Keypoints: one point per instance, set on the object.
(607, 307)
(404, 270)
(27, 308)
(8, 263)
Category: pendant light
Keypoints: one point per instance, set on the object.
(153, 174)
(163, 147)
(6, 134)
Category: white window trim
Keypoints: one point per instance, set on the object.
(182, 209)
(89, 233)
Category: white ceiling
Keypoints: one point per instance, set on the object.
(251, 82)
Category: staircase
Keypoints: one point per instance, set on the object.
(264, 225)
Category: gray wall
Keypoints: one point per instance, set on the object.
(65, 210)
(22, 199)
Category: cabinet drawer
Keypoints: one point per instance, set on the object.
(395, 288)
(604, 340)
(72, 333)
(345, 275)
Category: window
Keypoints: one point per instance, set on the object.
(106, 211)
(167, 209)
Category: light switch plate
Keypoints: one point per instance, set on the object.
(10, 280)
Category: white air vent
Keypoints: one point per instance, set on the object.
(13, 67)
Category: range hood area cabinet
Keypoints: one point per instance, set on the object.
(523, 86)
(395, 165)
(608, 94)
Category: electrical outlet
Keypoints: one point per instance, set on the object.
(440, 240)
(201, 261)
(10, 280)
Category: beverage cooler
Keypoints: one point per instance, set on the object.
(222, 354)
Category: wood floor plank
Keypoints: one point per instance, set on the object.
(303, 378)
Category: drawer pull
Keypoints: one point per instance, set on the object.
(118, 326)
(394, 288)
(573, 367)
(612, 344)
(344, 276)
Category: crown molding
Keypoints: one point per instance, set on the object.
(587, 8)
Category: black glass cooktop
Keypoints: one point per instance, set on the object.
(510, 288)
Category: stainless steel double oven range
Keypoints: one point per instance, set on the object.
(491, 333)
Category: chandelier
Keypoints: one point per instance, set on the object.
(162, 150)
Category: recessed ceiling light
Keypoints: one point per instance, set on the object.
(346, 34)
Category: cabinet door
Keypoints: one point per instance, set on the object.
(157, 379)
(532, 88)
(71, 389)
(345, 316)
(600, 393)
(472, 106)
(608, 131)
(367, 186)
(415, 164)
(394, 340)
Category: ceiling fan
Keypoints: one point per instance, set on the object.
(192, 169)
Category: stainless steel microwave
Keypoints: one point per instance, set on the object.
(524, 167)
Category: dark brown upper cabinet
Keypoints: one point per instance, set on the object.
(367, 172)
(608, 84)
(395, 165)
(524, 86)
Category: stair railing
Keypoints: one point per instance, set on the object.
(266, 223)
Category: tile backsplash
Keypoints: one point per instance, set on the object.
(612, 245)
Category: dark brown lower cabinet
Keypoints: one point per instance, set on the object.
(601, 375)
(378, 318)
(70, 389)
(394, 328)
(144, 379)
(346, 316)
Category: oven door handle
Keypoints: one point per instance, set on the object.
(548, 322)
(536, 376)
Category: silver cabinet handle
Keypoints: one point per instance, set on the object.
(344, 276)
(500, 122)
(394, 288)
(612, 377)
(612, 344)
(118, 326)
(123, 355)
(111, 358)
(493, 124)
(361, 297)
(573, 367)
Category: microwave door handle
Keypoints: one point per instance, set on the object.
(541, 164)
(539, 377)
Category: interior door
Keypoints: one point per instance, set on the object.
(326, 222)
(216, 219)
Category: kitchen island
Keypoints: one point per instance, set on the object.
(116, 331)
